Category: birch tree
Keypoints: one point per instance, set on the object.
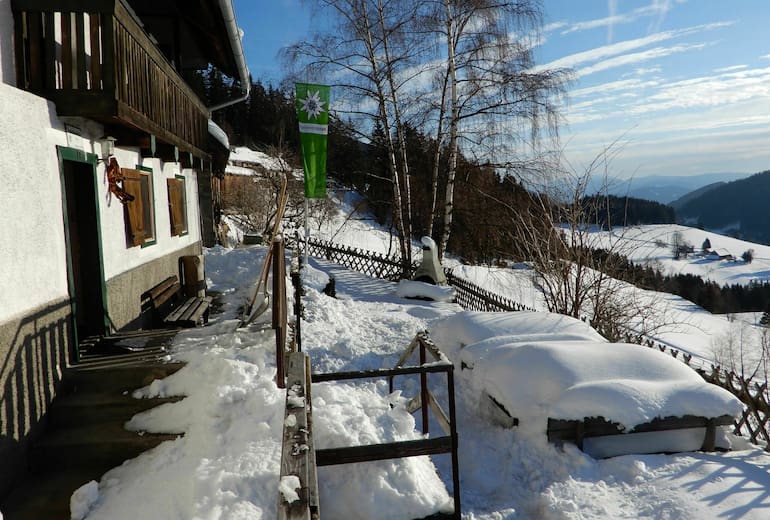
(370, 52)
(489, 85)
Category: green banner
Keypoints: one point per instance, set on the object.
(313, 116)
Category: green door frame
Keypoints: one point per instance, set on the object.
(79, 156)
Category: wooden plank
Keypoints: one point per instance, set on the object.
(393, 450)
(80, 51)
(94, 21)
(564, 430)
(312, 477)
(295, 448)
(50, 52)
(22, 60)
(677, 423)
(109, 77)
(441, 417)
(379, 373)
(156, 291)
(102, 6)
(190, 313)
(35, 39)
(66, 50)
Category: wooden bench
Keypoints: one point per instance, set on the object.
(170, 308)
(560, 430)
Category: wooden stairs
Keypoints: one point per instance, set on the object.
(84, 435)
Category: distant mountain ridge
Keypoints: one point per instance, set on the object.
(684, 199)
(738, 208)
(661, 188)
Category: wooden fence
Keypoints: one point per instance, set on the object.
(370, 263)
(425, 401)
(754, 423)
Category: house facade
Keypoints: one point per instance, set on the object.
(106, 161)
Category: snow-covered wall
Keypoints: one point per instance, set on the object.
(7, 74)
(33, 260)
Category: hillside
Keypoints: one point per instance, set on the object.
(684, 199)
(738, 208)
(662, 188)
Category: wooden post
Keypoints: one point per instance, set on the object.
(296, 280)
(279, 309)
(450, 381)
(424, 392)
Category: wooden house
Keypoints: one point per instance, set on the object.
(106, 159)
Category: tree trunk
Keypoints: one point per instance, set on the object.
(453, 124)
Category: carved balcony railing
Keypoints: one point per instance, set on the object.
(93, 59)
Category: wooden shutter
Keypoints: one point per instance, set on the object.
(176, 207)
(136, 228)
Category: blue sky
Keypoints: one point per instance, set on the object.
(680, 87)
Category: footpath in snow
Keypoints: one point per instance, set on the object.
(227, 463)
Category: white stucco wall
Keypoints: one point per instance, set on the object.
(7, 73)
(32, 251)
(118, 258)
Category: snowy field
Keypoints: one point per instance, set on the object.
(651, 244)
(226, 465)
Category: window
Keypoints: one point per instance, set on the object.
(139, 214)
(177, 209)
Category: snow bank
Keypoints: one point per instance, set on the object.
(570, 372)
(82, 500)
(465, 328)
(355, 415)
(624, 383)
(414, 289)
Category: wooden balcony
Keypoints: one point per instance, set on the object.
(93, 59)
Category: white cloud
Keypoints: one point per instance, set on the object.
(660, 8)
(730, 68)
(637, 57)
(612, 7)
(614, 49)
(765, 57)
(657, 10)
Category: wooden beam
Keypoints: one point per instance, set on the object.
(99, 6)
(441, 417)
(297, 441)
(393, 450)
(381, 373)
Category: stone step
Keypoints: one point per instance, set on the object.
(116, 377)
(86, 408)
(104, 445)
(47, 496)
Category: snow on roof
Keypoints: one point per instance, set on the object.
(218, 134)
(247, 155)
(239, 170)
(537, 366)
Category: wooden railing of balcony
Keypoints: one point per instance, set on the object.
(94, 60)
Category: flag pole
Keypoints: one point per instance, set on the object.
(307, 227)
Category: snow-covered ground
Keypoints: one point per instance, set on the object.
(652, 244)
(227, 463)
